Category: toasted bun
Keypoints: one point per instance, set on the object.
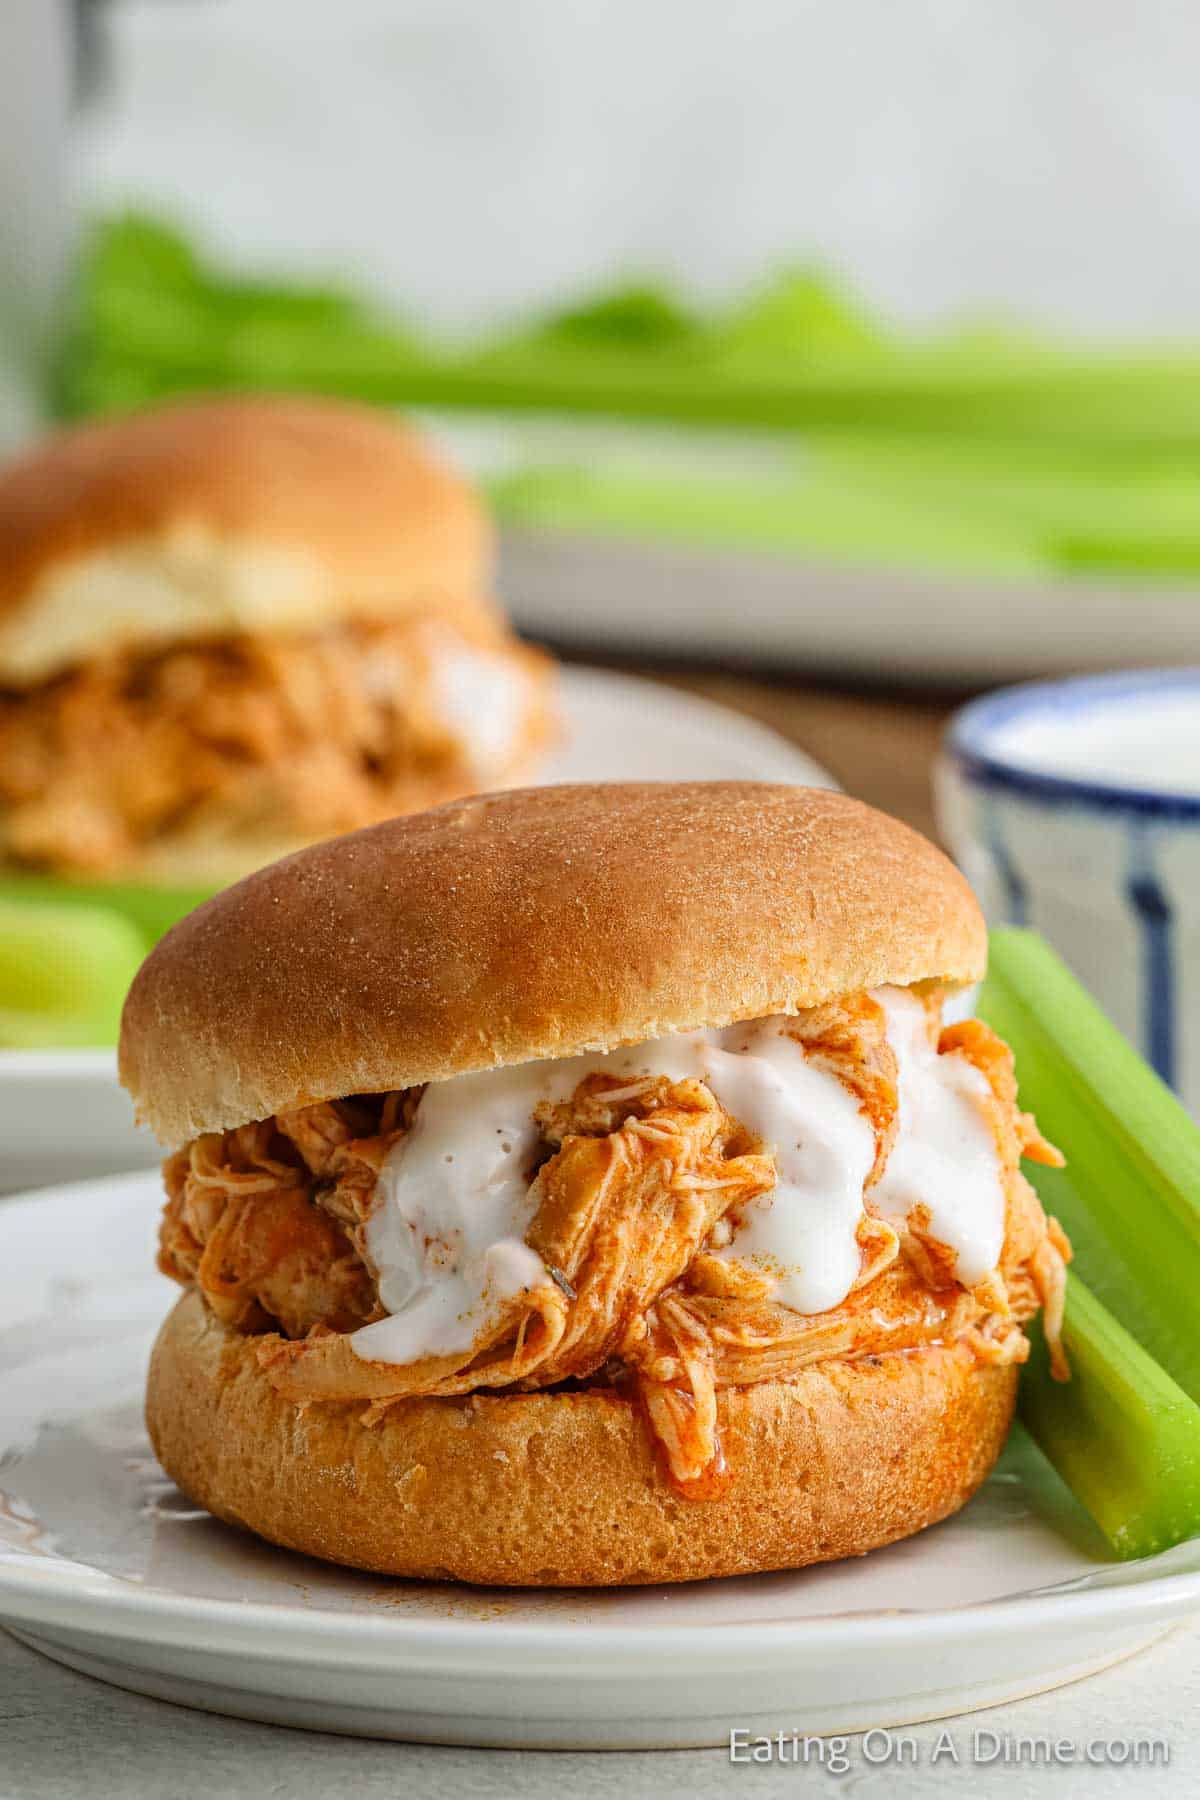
(562, 1490)
(220, 516)
(537, 923)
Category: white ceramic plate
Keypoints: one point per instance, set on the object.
(63, 1115)
(601, 593)
(616, 729)
(106, 1567)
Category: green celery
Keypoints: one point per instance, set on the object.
(64, 974)
(634, 316)
(1123, 1436)
(1129, 1196)
(150, 909)
(150, 318)
(802, 513)
(801, 312)
(1137, 550)
(1124, 1432)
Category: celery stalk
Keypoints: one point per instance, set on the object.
(64, 974)
(1129, 1196)
(150, 909)
(1124, 1437)
(1124, 1433)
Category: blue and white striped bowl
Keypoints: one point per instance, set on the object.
(1035, 801)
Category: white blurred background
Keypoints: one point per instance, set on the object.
(464, 156)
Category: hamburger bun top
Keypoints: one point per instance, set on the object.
(536, 923)
(209, 518)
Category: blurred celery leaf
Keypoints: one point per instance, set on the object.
(148, 319)
(639, 315)
(802, 313)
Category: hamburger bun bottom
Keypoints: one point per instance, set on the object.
(564, 1489)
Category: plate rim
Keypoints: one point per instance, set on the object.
(754, 733)
(73, 1062)
(299, 1633)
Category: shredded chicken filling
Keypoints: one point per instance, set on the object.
(638, 1185)
(252, 737)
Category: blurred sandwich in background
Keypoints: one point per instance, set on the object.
(232, 626)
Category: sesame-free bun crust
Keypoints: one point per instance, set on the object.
(214, 517)
(537, 923)
(562, 1489)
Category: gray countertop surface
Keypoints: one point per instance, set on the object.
(63, 1734)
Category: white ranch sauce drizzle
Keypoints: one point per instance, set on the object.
(482, 697)
(453, 1201)
(944, 1154)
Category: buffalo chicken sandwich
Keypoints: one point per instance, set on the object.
(583, 1185)
(230, 627)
